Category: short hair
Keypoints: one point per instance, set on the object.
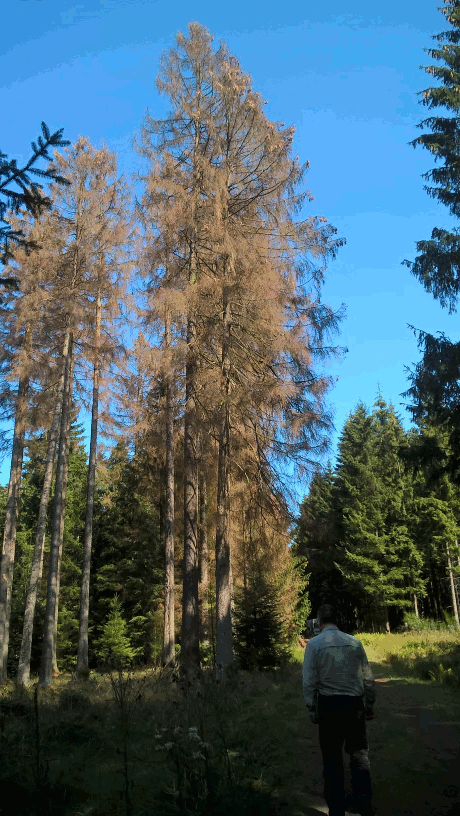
(326, 614)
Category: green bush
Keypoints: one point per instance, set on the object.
(114, 646)
(258, 631)
(415, 624)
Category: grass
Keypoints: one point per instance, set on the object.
(136, 744)
(429, 655)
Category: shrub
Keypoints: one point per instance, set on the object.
(259, 633)
(114, 646)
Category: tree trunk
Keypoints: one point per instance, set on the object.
(203, 548)
(168, 637)
(52, 599)
(416, 606)
(23, 676)
(452, 586)
(436, 596)
(82, 657)
(190, 648)
(203, 527)
(11, 520)
(224, 652)
(55, 670)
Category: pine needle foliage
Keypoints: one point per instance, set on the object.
(434, 389)
(20, 191)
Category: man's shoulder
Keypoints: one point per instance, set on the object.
(335, 635)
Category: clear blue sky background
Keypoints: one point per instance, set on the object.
(348, 81)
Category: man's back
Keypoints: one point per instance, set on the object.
(336, 663)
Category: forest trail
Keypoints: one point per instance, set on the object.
(414, 748)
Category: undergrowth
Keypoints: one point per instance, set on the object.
(430, 654)
(136, 744)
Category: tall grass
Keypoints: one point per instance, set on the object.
(431, 654)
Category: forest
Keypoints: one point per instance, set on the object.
(182, 312)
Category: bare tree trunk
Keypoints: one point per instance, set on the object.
(224, 653)
(203, 548)
(168, 637)
(52, 599)
(11, 520)
(452, 586)
(82, 657)
(55, 670)
(203, 527)
(190, 647)
(416, 606)
(23, 676)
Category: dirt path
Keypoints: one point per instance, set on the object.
(414, 747)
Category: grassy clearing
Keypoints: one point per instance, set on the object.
(430, 656)
(133, 745)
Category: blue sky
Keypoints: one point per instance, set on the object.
(348, 82)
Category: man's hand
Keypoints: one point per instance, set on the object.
(369, 712)
(313, 715)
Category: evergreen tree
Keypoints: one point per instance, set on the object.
(317, 538)
(114, 648)
(435, 518)
(380, 560)
(128, 560)
(435, 380)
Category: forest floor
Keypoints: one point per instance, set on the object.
(137, 745)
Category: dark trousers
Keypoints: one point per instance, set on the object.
(342, 723)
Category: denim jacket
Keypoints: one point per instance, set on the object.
(336, 663)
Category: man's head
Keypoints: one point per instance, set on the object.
(326, 614)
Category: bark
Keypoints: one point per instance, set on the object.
(55, 670)
(223, 578)
(203, 529)
(190, 650)
(82, 657)
(416, 606)
(435, 595)
(48, 659)
(11, 520)
(452, 586)
(23, 676)
(203, 548)
(168, 642)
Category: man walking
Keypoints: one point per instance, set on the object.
(338, 688)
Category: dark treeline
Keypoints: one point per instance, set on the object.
(380, 531)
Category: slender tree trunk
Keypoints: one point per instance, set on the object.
(52, 599)
(23, 676)
(55, 670)
(436, 596)
(203, 523)
(168, 637)
(452, 586)
(11, 520)
(203, 548)
(416, 606)
(190, 635)
(190, 649)
(82, 657)
(224, 652)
